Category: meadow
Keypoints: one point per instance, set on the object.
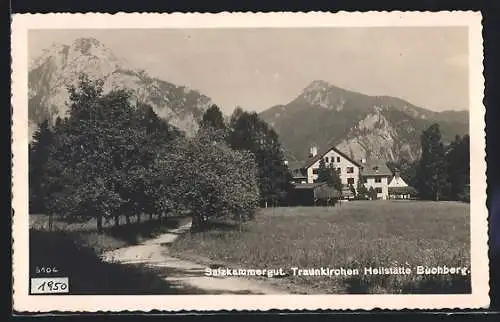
(356, 234)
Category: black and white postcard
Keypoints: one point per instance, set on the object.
(242, 161)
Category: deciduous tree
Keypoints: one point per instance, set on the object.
(248, 132)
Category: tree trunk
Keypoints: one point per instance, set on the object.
(139, 218)
(51, 221)
(117, 221)
(150, 216)
(127, 219)
(99, 224)
(196, 222)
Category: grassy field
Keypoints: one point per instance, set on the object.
(74, 248)
(355, 235)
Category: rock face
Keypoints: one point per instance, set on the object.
(59, 66)
(362, 126)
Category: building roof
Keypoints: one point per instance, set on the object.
(324, 191)
(375, 168)
(295, 165)
(318, 156)
(397, 181)
(308, 185)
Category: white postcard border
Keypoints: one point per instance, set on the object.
(23, 302)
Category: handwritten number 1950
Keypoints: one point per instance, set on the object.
(52, 286)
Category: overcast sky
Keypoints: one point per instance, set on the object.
(259, 68)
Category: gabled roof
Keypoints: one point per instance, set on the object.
(397, 181)
(318, 156)
(375, 168)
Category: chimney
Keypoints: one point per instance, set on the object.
(396, 173)
(313, 150)
(363, 160)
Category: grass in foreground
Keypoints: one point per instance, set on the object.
(354, 235)
(74, 250)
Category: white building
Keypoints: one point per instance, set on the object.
(374, 173)
(399, 189)
(347, 168)
(397, 181)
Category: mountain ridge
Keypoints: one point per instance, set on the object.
(60, 64)
(362, 126)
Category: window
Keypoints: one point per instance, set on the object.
(315, 171)
(378, 190)
(339, 170)
(378, 180)
(326, 159)
(350, 169)
(365, 180)
(350, 180)
(338, 159)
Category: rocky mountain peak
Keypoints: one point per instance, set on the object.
(317, 85)
(360, 125)
(61, 64)
(86, 45)
(322, 94)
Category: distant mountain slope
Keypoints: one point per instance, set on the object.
(382, 127)
(60, 65)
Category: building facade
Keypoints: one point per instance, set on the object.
(375, 174)
(399, 189)
(347, 169)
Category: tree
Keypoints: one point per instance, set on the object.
(109, 158)
(216, 181)
(431, 173)
(334, 178)
(39, 151)
(101, 155)
(213, 118)
(329, 175)
(372, 193)
(362, 192)
(458, 164)
(81, 171)
(248, 132)
(352, 189)
(214, 125)
(324, 174)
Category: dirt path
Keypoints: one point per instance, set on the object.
(184, 275)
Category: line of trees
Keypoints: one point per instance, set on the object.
(442, 172)
(110, 158)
